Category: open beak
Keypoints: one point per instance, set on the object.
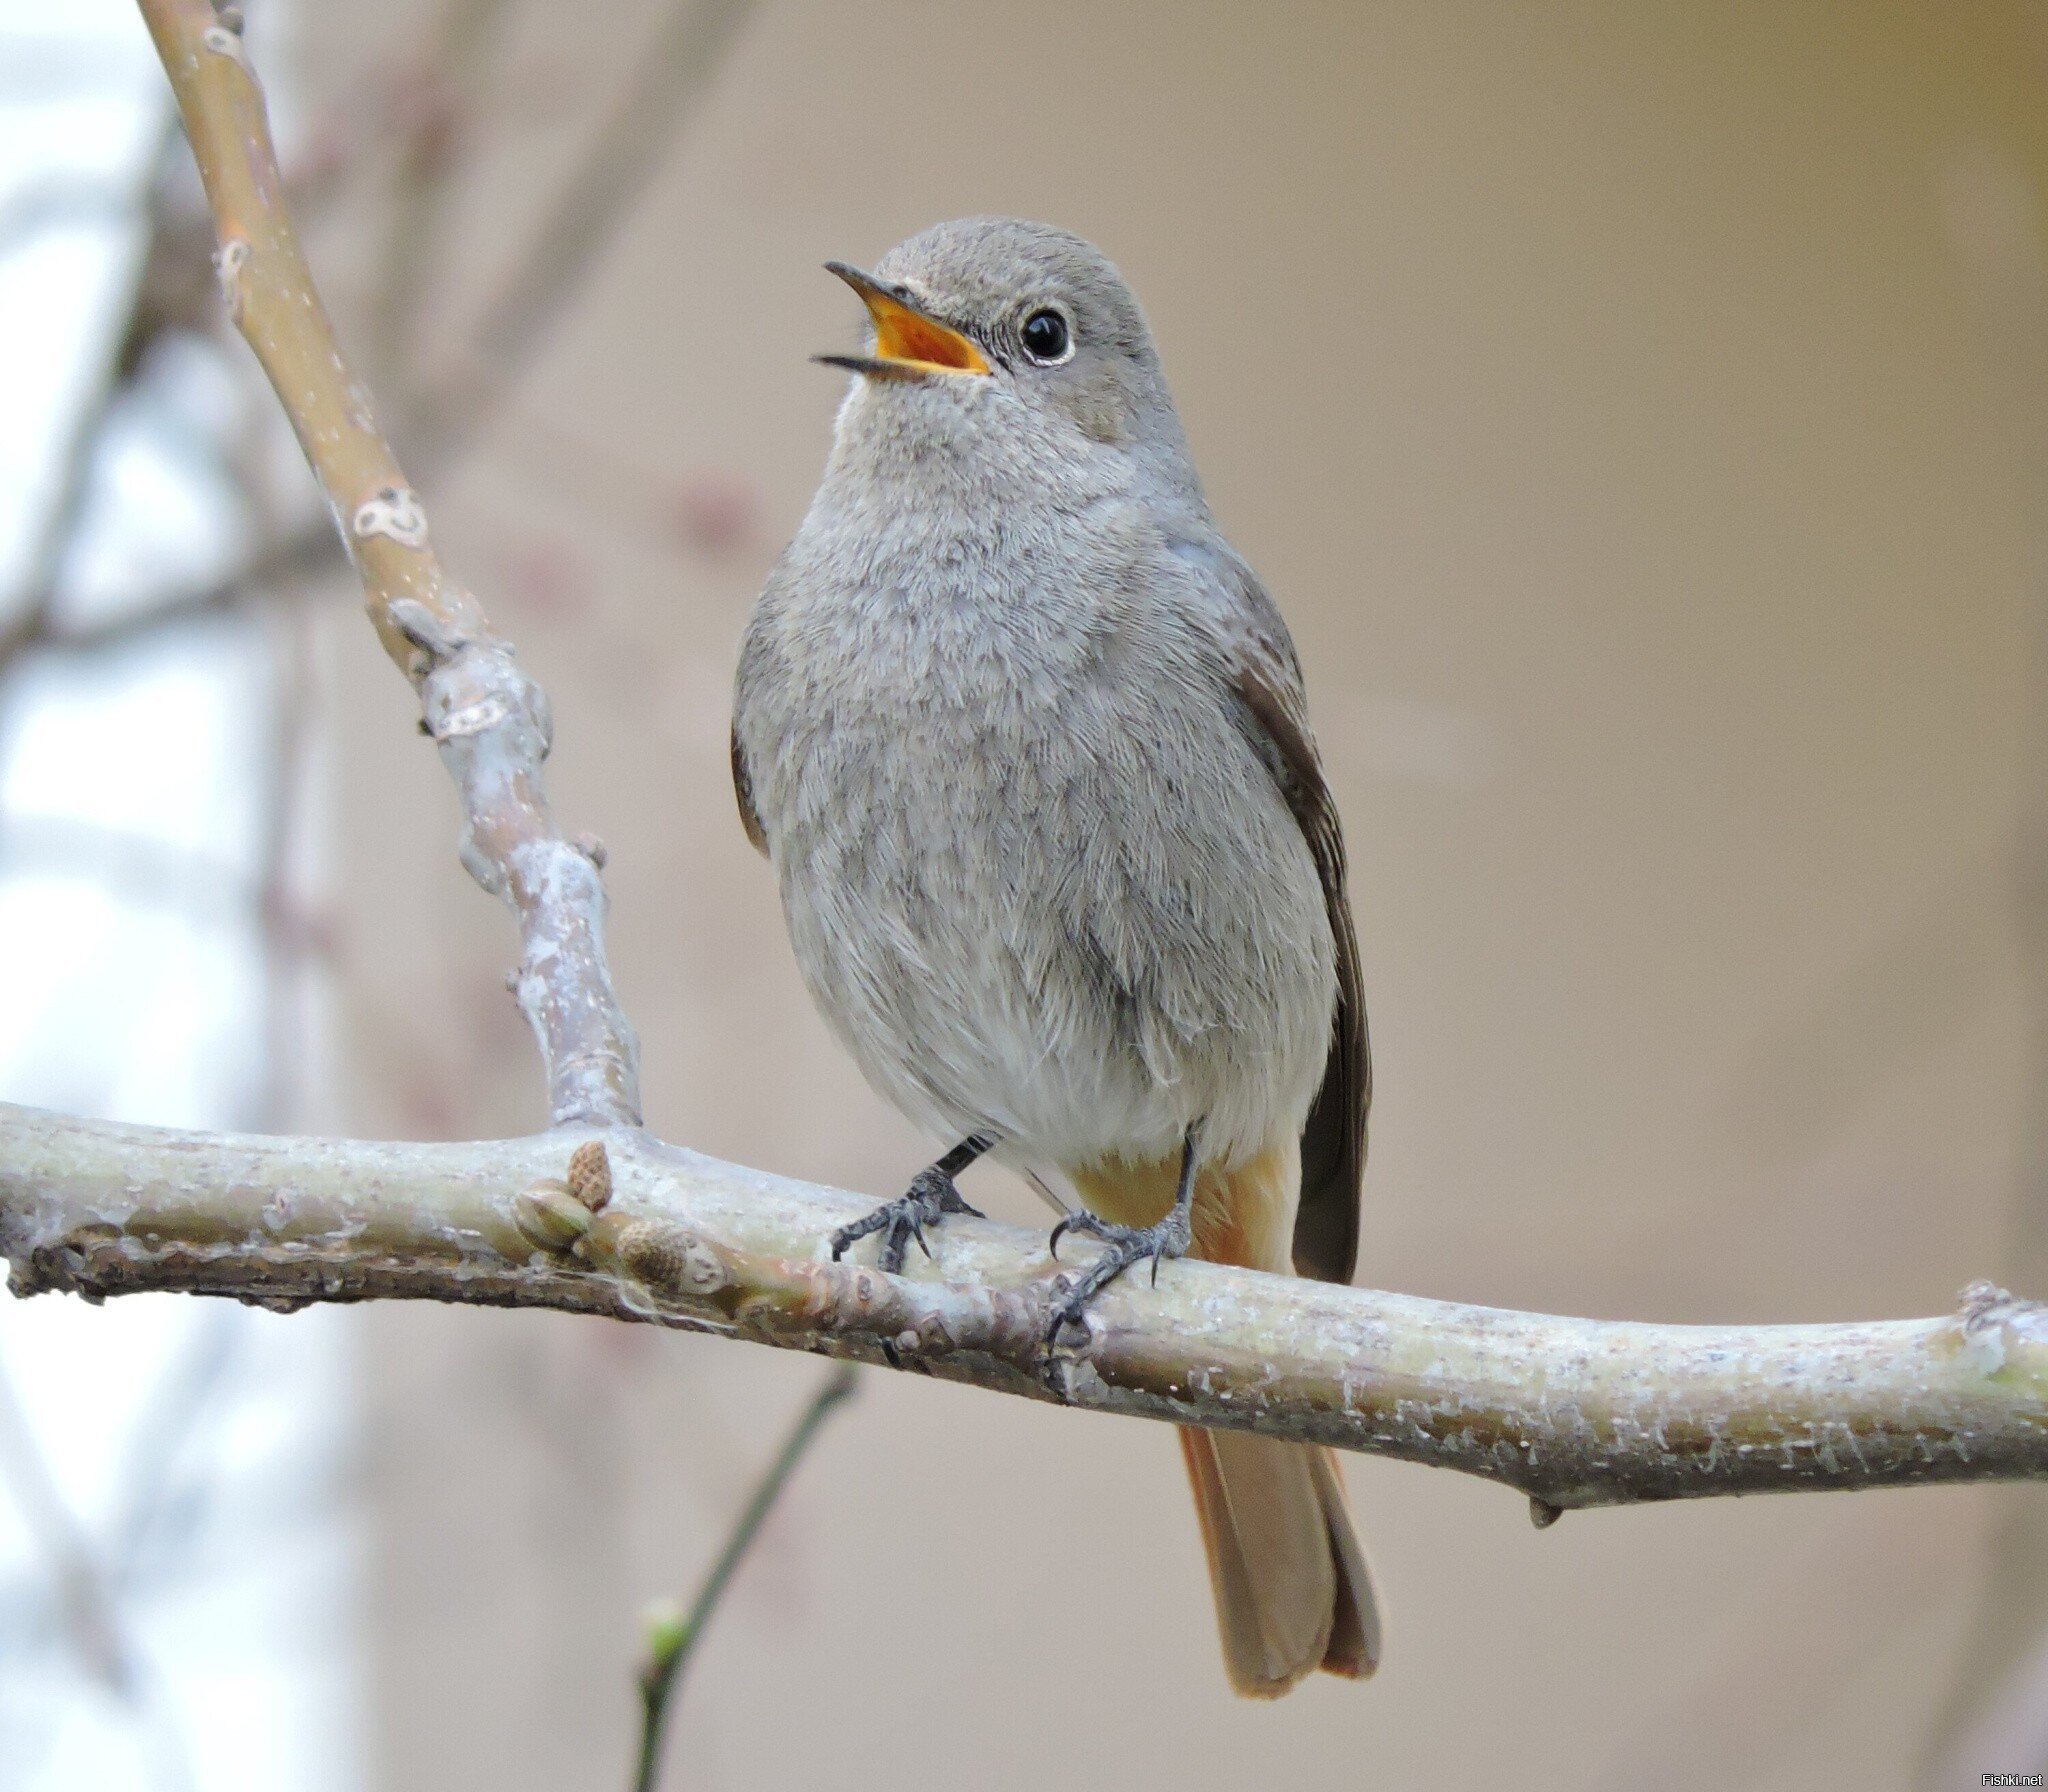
(909, 343)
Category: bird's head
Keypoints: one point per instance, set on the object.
(1018, 324)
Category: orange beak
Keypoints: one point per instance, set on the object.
(908, 342)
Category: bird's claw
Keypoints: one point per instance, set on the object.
(1128, 1245)
(1080, 1220)
(930, 1197)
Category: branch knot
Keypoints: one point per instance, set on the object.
(395, 513)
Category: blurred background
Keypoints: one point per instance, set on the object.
(1640, 411)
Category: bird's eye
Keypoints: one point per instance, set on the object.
(1046, 338)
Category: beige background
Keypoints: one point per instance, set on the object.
(1628, 404)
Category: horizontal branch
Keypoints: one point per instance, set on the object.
(1573, 1412)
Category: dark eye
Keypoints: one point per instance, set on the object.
(1046, 339)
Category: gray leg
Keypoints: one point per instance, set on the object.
(1127, 1244)
(931, 1196)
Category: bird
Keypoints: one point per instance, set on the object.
(1027, 747)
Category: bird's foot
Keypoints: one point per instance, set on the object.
(1128, 1245)
(931, 1197)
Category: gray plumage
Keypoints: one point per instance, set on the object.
(1027, 746)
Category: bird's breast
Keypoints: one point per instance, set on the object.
(1035, 874)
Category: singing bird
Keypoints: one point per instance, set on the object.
(1026, 744)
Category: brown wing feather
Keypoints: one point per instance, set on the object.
(743, 792)
(1333, 1140)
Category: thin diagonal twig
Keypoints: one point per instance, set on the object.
(444, 85)
(88, 1610)
(490, 720)
(672, 1636)
(78, 458)
(627, 151)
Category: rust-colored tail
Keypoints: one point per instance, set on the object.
(1292, 1589)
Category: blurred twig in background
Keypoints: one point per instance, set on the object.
(90, 1621)
(88, 1585)
(442, 90)
(672, 1635)
(693, 38)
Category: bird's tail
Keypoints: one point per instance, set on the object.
(1292, 1589)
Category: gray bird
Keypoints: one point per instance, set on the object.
(1026, 744)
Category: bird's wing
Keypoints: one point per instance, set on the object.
(743, 792)
(1265, 677)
